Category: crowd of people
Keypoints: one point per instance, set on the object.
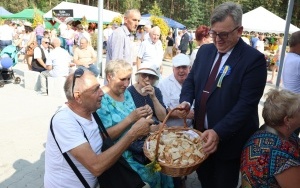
(217, 87)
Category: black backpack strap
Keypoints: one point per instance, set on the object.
(70, 162)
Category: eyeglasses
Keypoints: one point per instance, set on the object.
(46, 42)
(222, 35)
(150, 76)
(77, 74)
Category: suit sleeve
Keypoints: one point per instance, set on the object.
(251, 90)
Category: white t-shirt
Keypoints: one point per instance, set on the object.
(260, 46)
(37, 53)
(6, 32)
(170, 89)
(150, 52)
(60, 60)
(69, 135)
(291, 72)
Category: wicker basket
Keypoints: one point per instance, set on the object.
(173, 170)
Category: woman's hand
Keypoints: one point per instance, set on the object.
(149, 89)
(141, 127)
(140, 112)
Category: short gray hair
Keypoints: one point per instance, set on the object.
(114, 66)
(128, 12)
(224, 10)
(278, 105)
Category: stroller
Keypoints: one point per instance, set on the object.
(7, 73)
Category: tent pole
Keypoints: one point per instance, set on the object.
(100, 64)
(285, 39)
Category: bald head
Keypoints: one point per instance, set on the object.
(56, 42)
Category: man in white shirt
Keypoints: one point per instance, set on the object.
(40, 55)
(151, 50)
(170, 88)
(70, 123)
(57, 65)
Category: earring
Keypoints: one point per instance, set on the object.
(288, 127)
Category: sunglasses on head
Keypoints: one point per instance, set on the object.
(77, 74)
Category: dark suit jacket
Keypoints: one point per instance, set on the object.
(232, 109)
(184, 42)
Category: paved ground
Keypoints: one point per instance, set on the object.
(24, 122)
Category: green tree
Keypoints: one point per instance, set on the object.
(155, 10)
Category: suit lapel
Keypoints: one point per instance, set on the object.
(231, 61)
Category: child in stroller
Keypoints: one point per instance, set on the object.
(8, 59)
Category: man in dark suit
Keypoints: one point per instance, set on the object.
(184, 42)
(226, 104)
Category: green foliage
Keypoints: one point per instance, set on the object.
(155, 10)
(117, 20)
(94, 39)
(84, 22)
(164, 28)
(37, 18)
(157, 21)
(191, 13)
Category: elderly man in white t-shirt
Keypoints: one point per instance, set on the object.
(77, 135)
(170, 88)
(151, 50)
(57, 65)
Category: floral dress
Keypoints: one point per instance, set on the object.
(266, 155)
(111, 113)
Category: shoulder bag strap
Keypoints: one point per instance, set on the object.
(70, 162)
(100, 125)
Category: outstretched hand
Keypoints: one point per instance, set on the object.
(184, 109)
(140, 112)
(141, 127)
(212, 141)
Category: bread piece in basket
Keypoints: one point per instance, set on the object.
(178, 150)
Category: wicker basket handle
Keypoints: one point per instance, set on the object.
(164, 124)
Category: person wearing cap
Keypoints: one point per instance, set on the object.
(118, 112)
(151, 50)
(144, 91)
(119, 44)
(184, 41)
(170, 88)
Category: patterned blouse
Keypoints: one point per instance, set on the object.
(266, 155)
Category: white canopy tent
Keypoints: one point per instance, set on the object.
(79, 10)
(262, 20)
